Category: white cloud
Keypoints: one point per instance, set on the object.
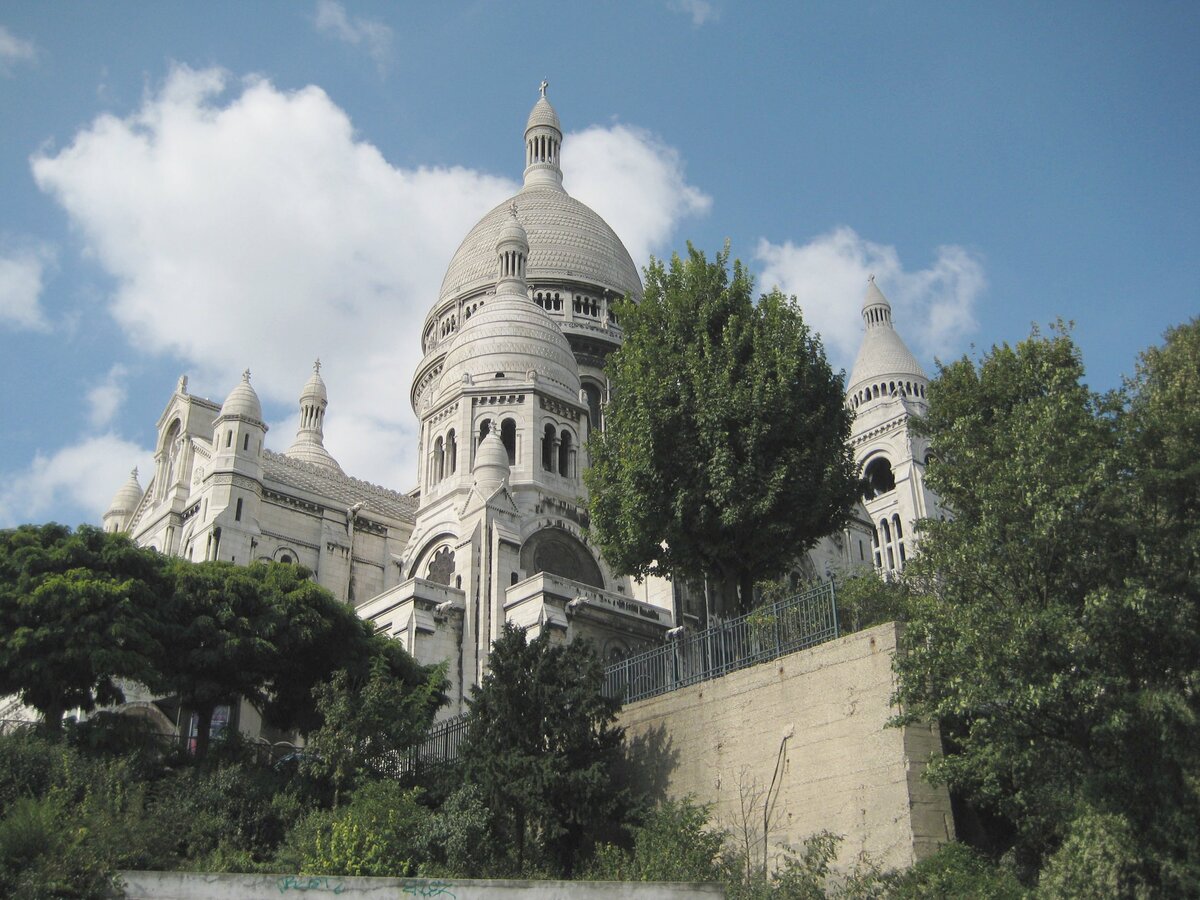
(331, 19)
(82, 477)
(701, 11)
(933, 308)
(105, 398)
(14, 50)
(22, 273)
(634, 181)
(252, 228)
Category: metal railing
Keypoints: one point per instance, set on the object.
(440, 746)
(770, 631)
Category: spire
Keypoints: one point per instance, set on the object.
(876, 310)
(512, 252)
(543, 138)
(309, 445)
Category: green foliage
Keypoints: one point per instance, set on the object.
(726, 436)
(75, 615)
(542, 750)
(865, 600)
(458, 838)
(1057, 633)
(370, 721)
(44, 855)
(1099, 859)
(674, 843)
(378, 833)
(954, 871)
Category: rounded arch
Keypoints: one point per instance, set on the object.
(286, 555)
(429, 559)
(558, 552)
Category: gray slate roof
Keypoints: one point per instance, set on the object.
(338, 487)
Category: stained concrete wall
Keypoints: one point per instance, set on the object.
(820, 716)
(198, 886)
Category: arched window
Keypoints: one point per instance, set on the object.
(508, 434)
(564, 453)
(451, 453)
(484, 427)
(548, 442)
(439, 460)
(899, 532)
(879, 478)
(592, 392)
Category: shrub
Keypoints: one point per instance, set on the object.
(377, 833)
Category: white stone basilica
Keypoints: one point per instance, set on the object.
(511, 384)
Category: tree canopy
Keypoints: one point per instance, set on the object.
(76, 614)
(725, 450)
(1055, 632)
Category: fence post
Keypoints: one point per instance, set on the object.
(833, 605)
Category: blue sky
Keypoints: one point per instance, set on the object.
(201, 188)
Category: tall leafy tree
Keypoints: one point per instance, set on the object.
(542, 749)
(1055, 633)
(76, 615)
(725, 450)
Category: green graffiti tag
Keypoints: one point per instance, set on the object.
(429, 889)
(307, 883)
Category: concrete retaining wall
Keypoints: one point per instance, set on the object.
(820, 716)
(198, 886)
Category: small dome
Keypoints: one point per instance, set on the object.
(491, 463)
(314, 388)
(512, 232)
(126, 499)
(243, 401)
(543, 114)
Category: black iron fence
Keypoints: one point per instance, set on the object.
(770, 631)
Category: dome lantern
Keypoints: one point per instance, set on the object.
(543, 141)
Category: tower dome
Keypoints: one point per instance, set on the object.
(509, 337)
(309, 445)
(883, 359)
(568, 240)
(242, 401)
(124, 503)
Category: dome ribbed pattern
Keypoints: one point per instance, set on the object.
(543, 114)
(127, 498)
(567, 240)
(510, 336)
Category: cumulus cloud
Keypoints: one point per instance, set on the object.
(248, 226)
(14, 50)
(22, 276)
(701, 11)
(933, 308)
(375, 37)
(634, 181)
(82, 478)
(105, 398)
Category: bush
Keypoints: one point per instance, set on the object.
(674, 843)
(457, 839)
(956, 870)
(378, 833)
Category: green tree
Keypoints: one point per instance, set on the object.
(1057, 646)
(76, 614)
(725, 451)
(371, 718)
(542, 749)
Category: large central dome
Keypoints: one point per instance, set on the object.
(567, 241)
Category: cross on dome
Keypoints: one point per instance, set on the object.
(246, 375)
(317, 365)
(542, 87)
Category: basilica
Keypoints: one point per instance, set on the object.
(510, 385)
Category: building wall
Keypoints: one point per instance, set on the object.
(821, 715)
